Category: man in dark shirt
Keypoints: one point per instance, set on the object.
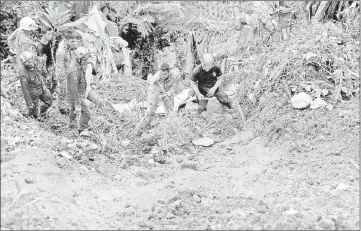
(44, 50)
(209, 79)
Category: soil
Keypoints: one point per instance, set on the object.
(287, 169)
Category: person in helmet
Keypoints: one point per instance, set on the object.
(162, 87)
(22, 39)
(78, 88)
(32, 85)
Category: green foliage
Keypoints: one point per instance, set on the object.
(52, 16)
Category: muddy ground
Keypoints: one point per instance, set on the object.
(287, 169)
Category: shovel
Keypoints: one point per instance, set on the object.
(182, 105)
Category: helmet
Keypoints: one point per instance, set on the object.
(80, 52)
(27, 23)
(25, 56)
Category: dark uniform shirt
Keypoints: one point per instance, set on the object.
(206, 79)
(45, 49)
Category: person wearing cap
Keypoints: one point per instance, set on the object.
(32, 77)
(162, 87)
(22, 39)
(206, 81)
(78, 88)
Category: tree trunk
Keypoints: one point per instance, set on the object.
(314, 7)
(321, 10)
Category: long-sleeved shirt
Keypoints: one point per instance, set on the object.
(76, 82)
(64, 56)
(19, 41)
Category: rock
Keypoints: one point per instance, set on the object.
(92, 146)
(196, 198)
(169, 215)
(125, 143)
(190, 106)
(179, 159)
(327, 224)
(65, 155)
(341, 186)
(301, 100)
(205, 141)
(72, 146)
(151, 161)
(28, 181)
(92, 158)
(317, 103)
(176, 204)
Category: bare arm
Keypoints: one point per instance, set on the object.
(176, 86)
(219, 82)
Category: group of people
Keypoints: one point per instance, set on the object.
(43, 79)
(67, 80)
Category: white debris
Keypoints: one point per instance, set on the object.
(92, 146)
(341, 186)
(252, 98)
(329, 107)
(65, 155)
(12, 141)
(301, 100)
(86, 133)
(291, 211)
(317, 103)
(324, 92)
(205, 141)
(125, 143)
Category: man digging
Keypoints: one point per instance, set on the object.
(209, 78)
(162, 87)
